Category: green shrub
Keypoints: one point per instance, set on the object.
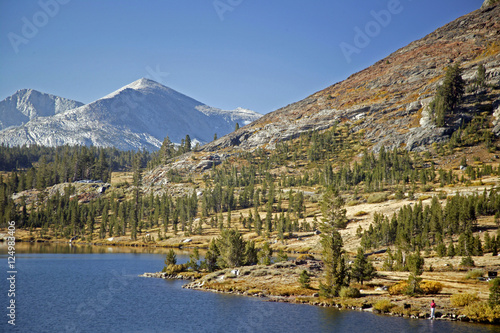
(474, 274)
(383, 305)
(305, 257)
(361, 213)
(424, 197)
(349, 292)
(494, 297)
(467, 262)
(442, 195)
(304, 279)
(461, 300)
(377, 198)
(282, 256)
(259, 272)
(431, 287)
(427, 188)
(174, 269)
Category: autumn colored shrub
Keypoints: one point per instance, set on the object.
(399, 288)
(383, 305)
(461, 300)
(431, 287)
(482, 312)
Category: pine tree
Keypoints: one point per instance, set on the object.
(334, 215)
(171, 258)
(415, 264)
(335, 268)
(467, 261)
(362, 269)
(451, 250)
(494, 246)
(167, 149)
(193, 259)
(448, 94)
(332, 207)
(211, 256)
(231, 247)
(441, 249)
(265, 254)
(304, 279)
(481, 75)
(187, 143)
(282, 256)
(258, 222)
(389, 261)
(478, 247)
(494, 297)
(250, 253)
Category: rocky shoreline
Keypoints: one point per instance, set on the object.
(411, 309)
(163, 275)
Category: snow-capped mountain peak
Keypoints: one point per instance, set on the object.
(137, 116)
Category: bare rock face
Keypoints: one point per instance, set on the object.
(488, 3)
(496, 122)
(390, 100)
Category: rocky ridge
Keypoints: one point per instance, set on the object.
(387, 103)
(386, 100)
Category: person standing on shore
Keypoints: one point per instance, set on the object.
(433, 310)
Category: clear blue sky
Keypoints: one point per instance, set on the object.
(257, 54)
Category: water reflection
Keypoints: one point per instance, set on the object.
(66, 248)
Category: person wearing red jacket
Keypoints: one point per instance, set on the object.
(433, 310)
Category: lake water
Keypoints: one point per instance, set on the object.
(82, 289)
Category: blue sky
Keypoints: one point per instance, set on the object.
(257, 54)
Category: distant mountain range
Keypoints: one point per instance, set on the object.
(28, 104)
(137, 116)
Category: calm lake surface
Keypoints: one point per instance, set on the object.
(62, 288)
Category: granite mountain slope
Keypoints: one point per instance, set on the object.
(386, 104)
(389, 100)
